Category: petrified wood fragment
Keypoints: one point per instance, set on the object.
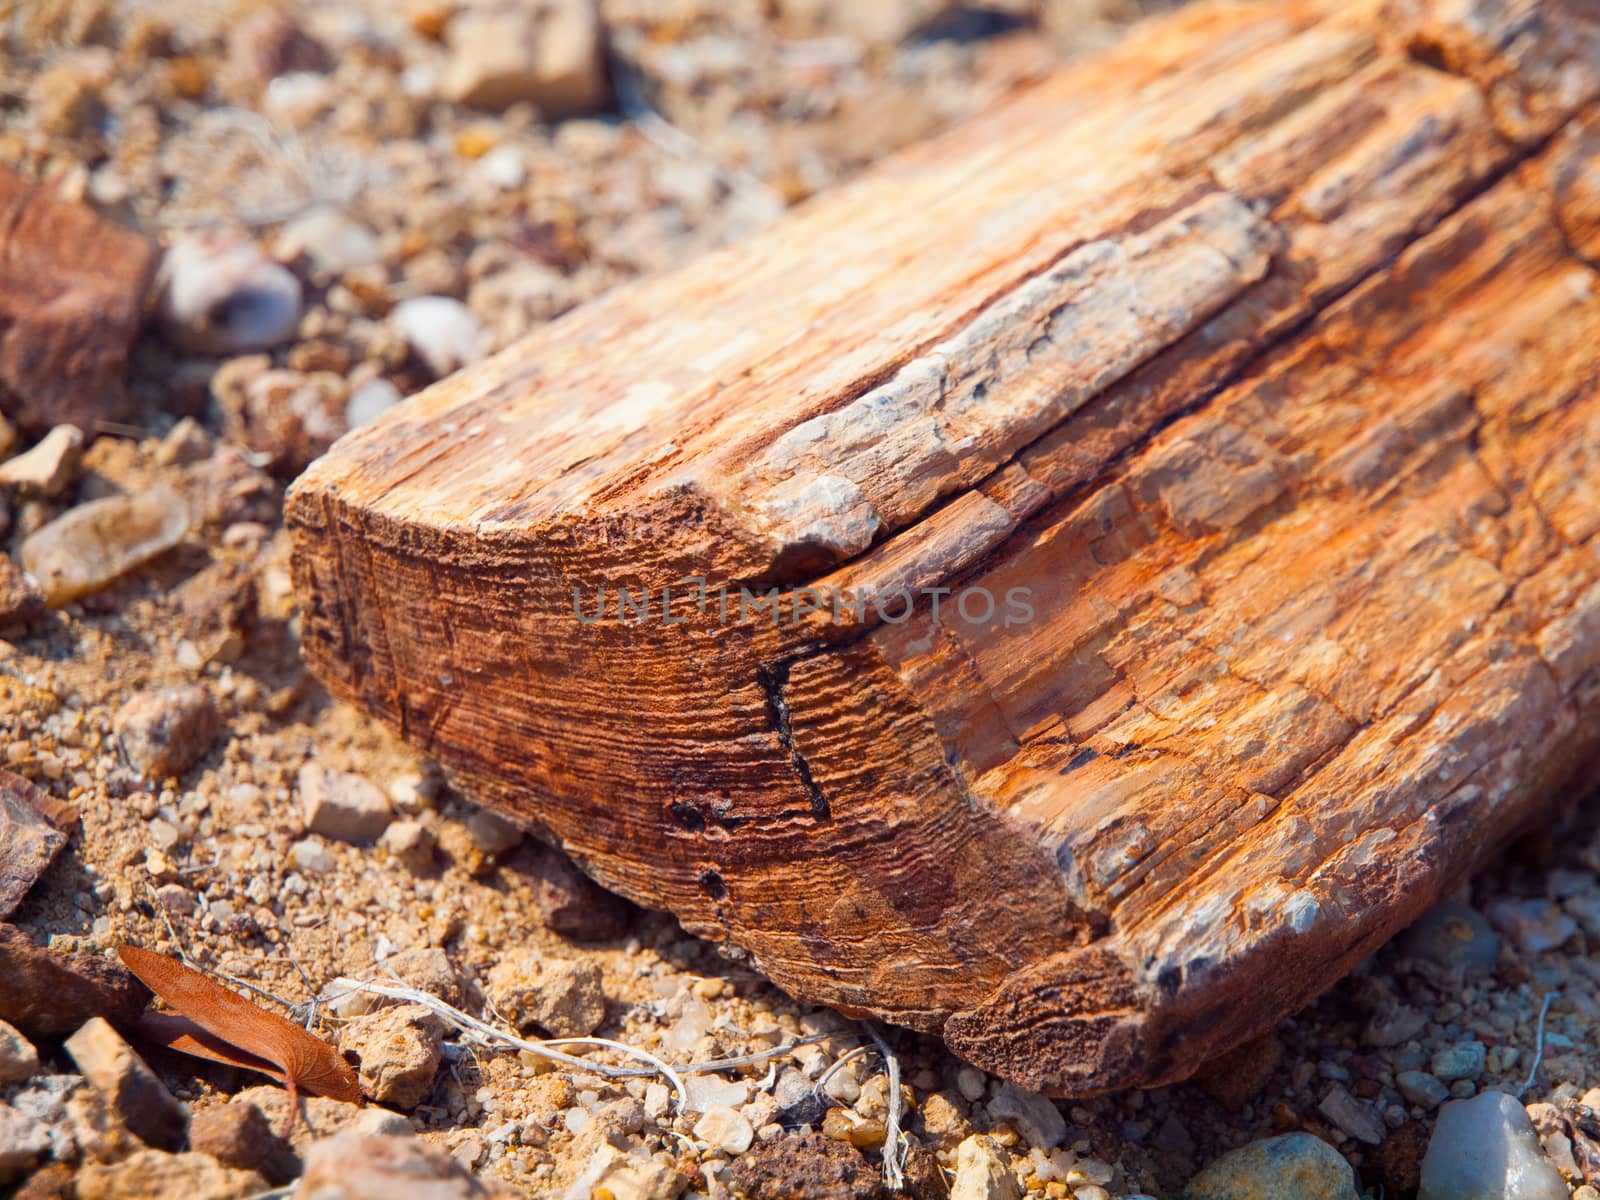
(34, 826)
(72, 289)
(1239, 386)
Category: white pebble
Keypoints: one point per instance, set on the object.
(503, 167)
(331, 240)
(707, 1092)
(443, 331)
(311, 855)
(369, 402)
(843, 1086)
(971, 1083)
(724, 1129)
(221, 295)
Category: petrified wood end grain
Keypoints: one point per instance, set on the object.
(1087, 582)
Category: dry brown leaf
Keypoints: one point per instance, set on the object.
(183, 1035)
(223, 1026)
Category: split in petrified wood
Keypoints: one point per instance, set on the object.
(1254, 359)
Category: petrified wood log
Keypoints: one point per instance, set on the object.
(1240, 387)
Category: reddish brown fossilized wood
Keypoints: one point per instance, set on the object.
(1247, 370)
(72, 289)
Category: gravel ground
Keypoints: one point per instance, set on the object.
(398, 211)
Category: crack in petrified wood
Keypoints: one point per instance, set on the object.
(1257, 350)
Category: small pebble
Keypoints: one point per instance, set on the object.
(443, 331)
(341, 805)
(309, 854)
(1296, 1166)
(1037, 1116)
(983, 1172)
(1461, 1060)
(1355, 1117)
(503, 167)
(707, 1091)
(331, 240)
(492, 833)
(1420, 1088)
(561, 996)
(724, 1129)
(221, 295)
(18, 1058)
(93, 544)
(1534, 926)
(166, 732)
(48, 466)
(543, 51)
(1486, 1149)
(1454, 935)
(411, 843)
(369, 402)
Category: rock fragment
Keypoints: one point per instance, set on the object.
(411, 843)
(399, 1053)
(149, 1173)
(22, 606)
(1453, 934)
(571, 903)
(186, 442)
(724, 1129)
(98, 1130)
(1355, 1117)
(557, 995)
(23, 1144)
(1295, 1166)
(1485, 1148)
(342, 806)
(1394, 1026)
(635, 1177)
(983, 1172)
(72, 288)
(1422, 1089)
(318, 1117)
(239, 1135)
(291, 417)
(94, 544)
(18, 1058)
(48, 466)
(166, 732)
(1037, 1117)
(48, 994)
(545, 51)
(443, 331)
(355, 1166)
(1460, 1060)
(221, 295)
(135, 1093)
(806, 1166)
(1534, 926)
(29, 840)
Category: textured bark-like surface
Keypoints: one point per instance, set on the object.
(72, 288)
(1247, 368)
(34, 826)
